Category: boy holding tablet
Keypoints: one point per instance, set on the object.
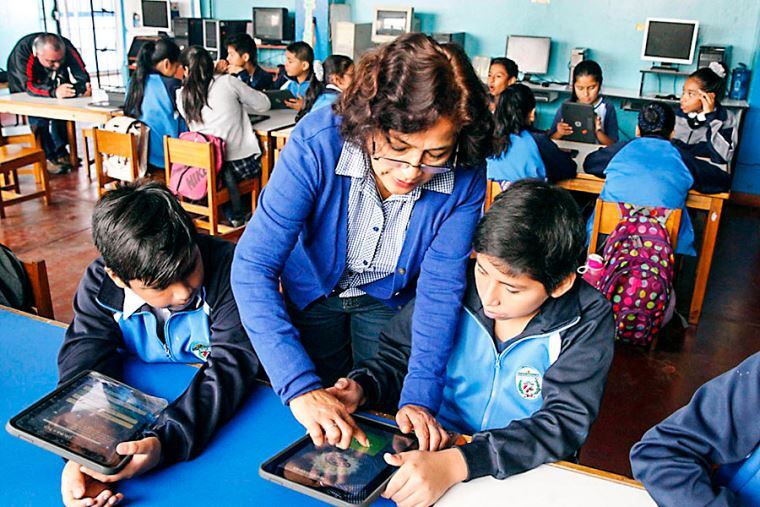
(531, 355)
(161, 292)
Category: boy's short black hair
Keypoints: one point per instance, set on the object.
(533, 228)
(142, 233)
(656, 119)
(244, 43)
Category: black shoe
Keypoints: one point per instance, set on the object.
(240, 222)
(64, 162)
(54, 167)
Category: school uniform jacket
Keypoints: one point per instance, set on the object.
(530, 404)
(159, 112)
(650, 171)
(298, 236)
(210, 334)
(26, 73)
(675, 459)
(260, 79)
(297, 89)
(712, 135)
(531, 154)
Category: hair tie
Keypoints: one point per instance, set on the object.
(718, 69)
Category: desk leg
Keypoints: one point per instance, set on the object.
(72, 130)
(266, 158)
(705, 259)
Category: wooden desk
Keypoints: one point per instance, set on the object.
(561, 483)
(70, 110)
(278, 119)
(280, 138)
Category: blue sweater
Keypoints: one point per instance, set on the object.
(298, 236)
(159, 112)
(719, 426)
(650, 171)
(531, 154)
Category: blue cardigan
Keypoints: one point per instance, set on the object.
(298, 236)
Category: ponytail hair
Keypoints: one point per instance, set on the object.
(712, 79)
(334, 65)
(150, 54)
(511, 115)
(198, 76)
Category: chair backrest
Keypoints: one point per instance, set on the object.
(106, 143)
(607, 216)
(492, 190)
(38, 279)
(189, 153)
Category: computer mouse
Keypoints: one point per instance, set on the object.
(545, 84)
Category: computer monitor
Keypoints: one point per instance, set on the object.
(390, 22)
(156, 14)
(531, 54)
(272, 24)
(669, 40)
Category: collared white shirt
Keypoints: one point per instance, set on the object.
(376, 227)
(133, 303)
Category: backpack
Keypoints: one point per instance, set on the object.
(192, 182)
(118, 167)
(15, 288)
(637, 277)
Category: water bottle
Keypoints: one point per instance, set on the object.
(740, 82)
(592, 270)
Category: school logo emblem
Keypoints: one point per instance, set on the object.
(200, 350)
(528, 382)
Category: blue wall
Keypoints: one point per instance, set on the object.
(17, 19)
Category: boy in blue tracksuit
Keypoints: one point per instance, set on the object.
(651, 171)
(531, 354)
(675, 460)
(162, 293)
(522, 151)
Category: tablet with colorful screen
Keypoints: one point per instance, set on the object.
(86, 418)
(355, 476)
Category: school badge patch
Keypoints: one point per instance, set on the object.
(200, 350)
(528, 382)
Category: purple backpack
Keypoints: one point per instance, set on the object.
(638, 272)
(192, 182)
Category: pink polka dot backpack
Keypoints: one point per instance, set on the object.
(638, 272)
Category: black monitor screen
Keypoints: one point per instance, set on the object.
(155, 14)
(669, 40)
(210, 36)
(268, 23)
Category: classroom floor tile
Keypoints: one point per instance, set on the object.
(643, 387)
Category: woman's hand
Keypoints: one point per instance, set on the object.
(348, 392)
(430, 434)
(423, 477)
(326, 419)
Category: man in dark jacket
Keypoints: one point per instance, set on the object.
(48, 65)
(162, 293)
(531, 355)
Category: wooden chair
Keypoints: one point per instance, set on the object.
(105, 142)
(189, 153)
(18, 152)
(38, 278)
(607, 216)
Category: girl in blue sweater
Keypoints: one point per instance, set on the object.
(152, 94)
(520, 150)
(371, 203)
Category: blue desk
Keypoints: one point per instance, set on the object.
(225, 474)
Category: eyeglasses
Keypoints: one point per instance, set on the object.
(392, 163)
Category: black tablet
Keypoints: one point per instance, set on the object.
(355, 476)
(86, 418)
(582, 119)
(278, 97)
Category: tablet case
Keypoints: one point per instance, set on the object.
(582, 119)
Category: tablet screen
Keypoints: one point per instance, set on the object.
(90, 416)
(350, 475)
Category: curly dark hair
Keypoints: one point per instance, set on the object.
(407, 85)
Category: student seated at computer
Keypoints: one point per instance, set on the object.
(520, 150)
(703, 125)
(652, 171)
(531, 354)
(338, 74)
(151, 96)
(299, 68)
(586, 89)
(159, 292)
(242, 61)
(219, 105)
(676, 459)
(502, 73)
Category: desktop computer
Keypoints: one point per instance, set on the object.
(669, 42)
(188, 32)
(449, 38)
(215, 33)
(531, 54)
(577, 55)
(273, 25)
(351, 39)
(709, 54)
